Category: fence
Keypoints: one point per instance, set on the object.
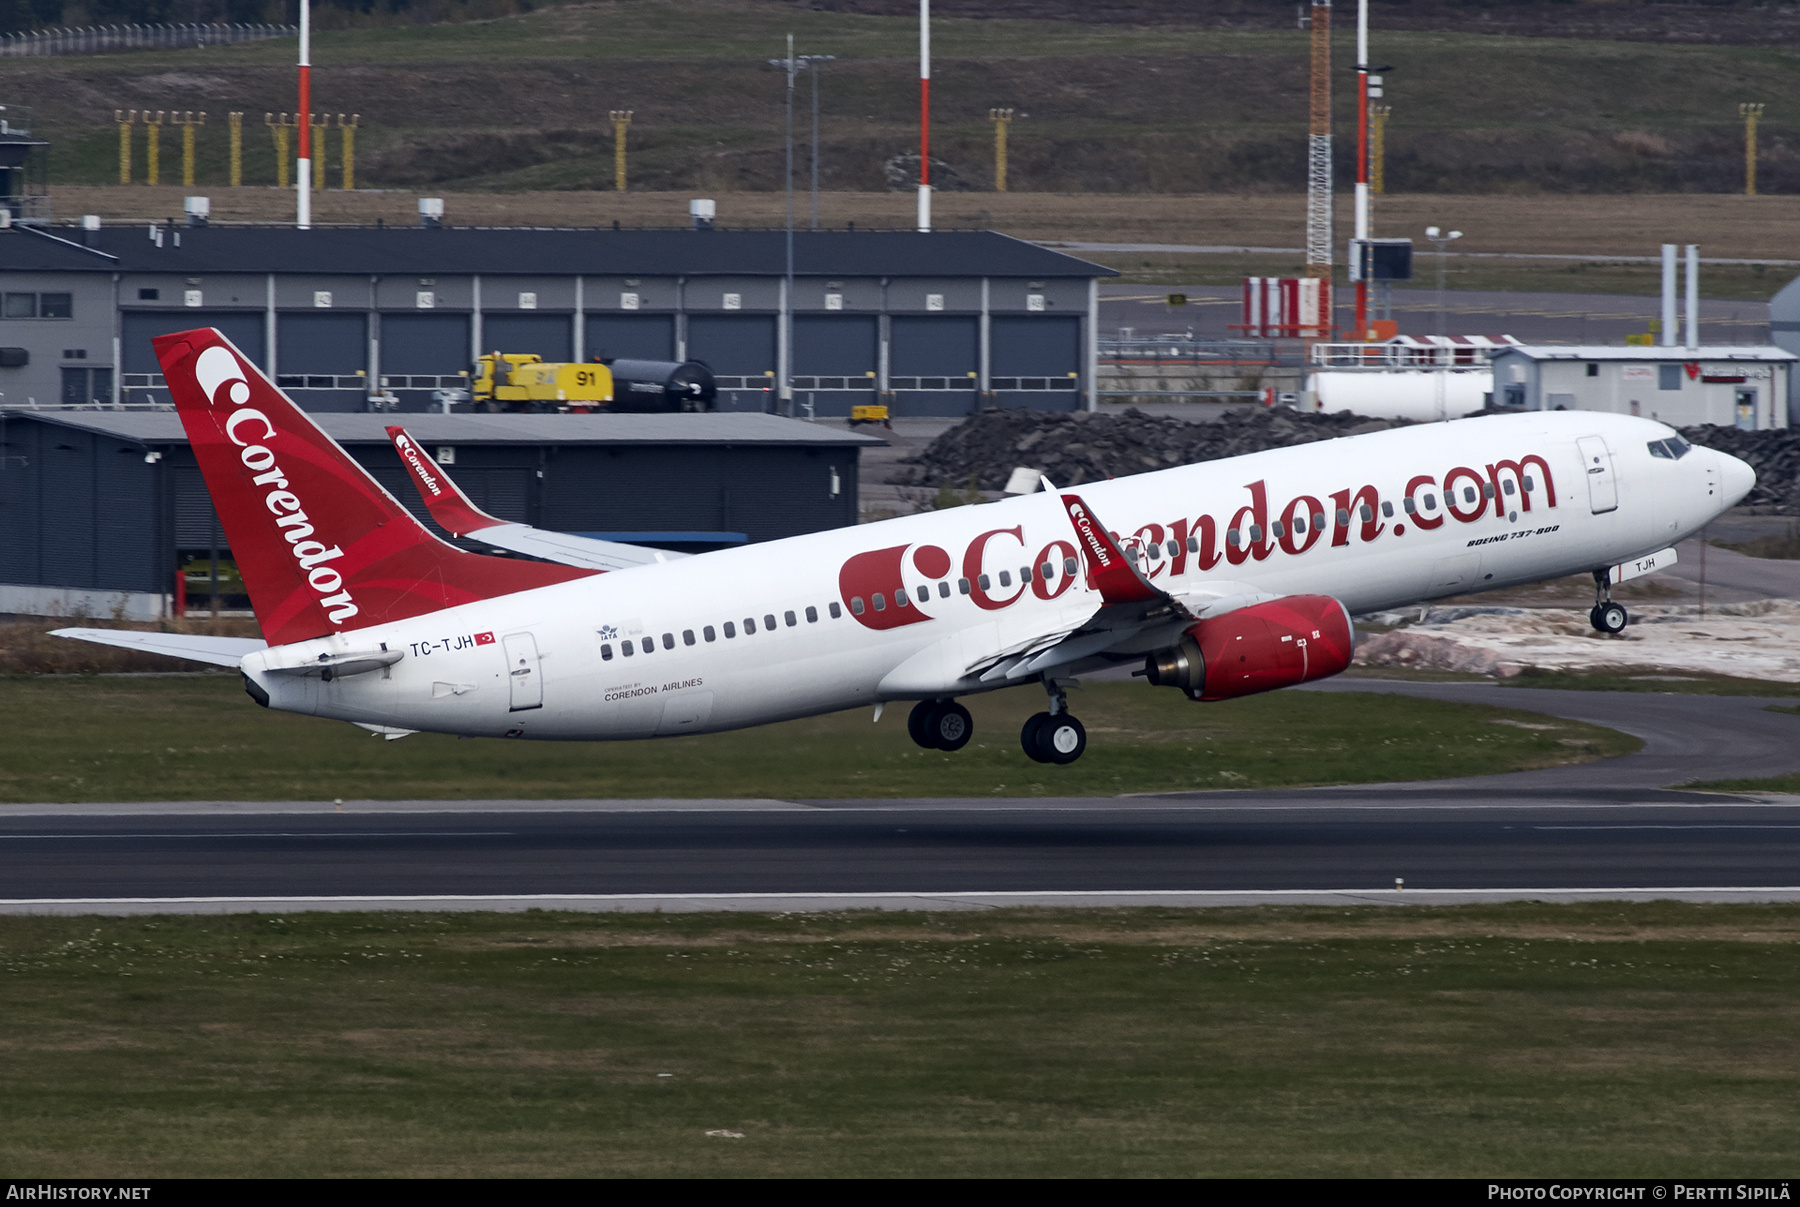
(1186, 350)
(94, 39)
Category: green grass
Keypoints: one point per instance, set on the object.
(1615, 1040)
(97, 738)
(1602, 680)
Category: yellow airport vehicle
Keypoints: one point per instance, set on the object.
(527, 382)
(870, 414)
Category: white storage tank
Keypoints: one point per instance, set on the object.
(1425, 394)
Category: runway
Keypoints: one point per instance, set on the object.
(1612, 828)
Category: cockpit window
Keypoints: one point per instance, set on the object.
(1672, 449)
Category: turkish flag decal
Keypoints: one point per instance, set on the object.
(484, 639)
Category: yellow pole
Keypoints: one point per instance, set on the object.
(319, 128)
(621, 120)
(1750, 113)
(349, 129)
(153, 149)
(1378, 119)
(187, 122)
(1001, 118)
(278, 127)
(237, 148)
(125, 121)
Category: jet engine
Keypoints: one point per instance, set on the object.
(1259, 648)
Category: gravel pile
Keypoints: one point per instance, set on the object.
(1774, 455)
(1093, 446)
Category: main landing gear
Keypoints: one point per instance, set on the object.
(1054, 736)
(940, 725)
(1607, 616)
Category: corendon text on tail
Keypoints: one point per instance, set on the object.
(1217, 579)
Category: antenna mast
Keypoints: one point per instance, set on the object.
(1318, 150)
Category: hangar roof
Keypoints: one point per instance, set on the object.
(164, 427)
(536, 251)
(1645, 352)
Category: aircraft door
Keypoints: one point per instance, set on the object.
(1603, 488)
(1746, 409)
(522, 671)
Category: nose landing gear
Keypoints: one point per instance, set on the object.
(940, 725)
(1054, 736)
(1607, 616)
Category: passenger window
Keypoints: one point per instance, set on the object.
(649, 644)
(791, 619)
(769, 621)
(1024, 574)
(1174, 548)
(835, 611)
(1193, 547)
(1155, 552)
(749, 625)
(1529, 484)
(943, 589)
(605, 652)
(1234, 538)
(687, 637)
(924, 594)
(1343, 518)
(709, 633)
(1430, 502)
(1068, 565)
(1368, 513)
(856, 604)
(1299, 524)
(1275, 527)
(1487, 490)
(1005, 578)
(1387, 510)
(669, 641)
(900, 599)
(625, 648)
(1318, 519)
(812, 615)
(1047, 571)
(1410, 507)
(730, 629)
(1255, 533)
(1468, 494)
(986, 582)
(1507, 486)
(962, 584)
(880, 602)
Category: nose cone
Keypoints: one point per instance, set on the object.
(1736, 479)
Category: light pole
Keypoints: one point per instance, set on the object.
(812, 62)
(1441, 240)
(784, 350)
(303, 119)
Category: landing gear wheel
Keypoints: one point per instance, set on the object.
(1028, 735)
(949, 726)
(1611, 617)
(918, 723)
(1061, 739)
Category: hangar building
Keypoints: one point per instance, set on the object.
(939, 323)
(99, 509)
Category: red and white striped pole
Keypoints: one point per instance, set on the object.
(1364, 260)
(924, 115)
(303, 200)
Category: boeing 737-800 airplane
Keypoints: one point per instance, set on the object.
(1218, 579)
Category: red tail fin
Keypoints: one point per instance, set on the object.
(321, 546)
(444, 499)
(1110, 572)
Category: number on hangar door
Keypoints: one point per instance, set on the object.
(522, 671)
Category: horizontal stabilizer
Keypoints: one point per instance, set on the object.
(219, 651)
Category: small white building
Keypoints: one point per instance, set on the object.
(1742, 386)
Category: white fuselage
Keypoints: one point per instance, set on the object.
(550, 663)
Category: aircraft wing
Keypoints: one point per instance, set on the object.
(220, 651)
(1132, 608)
(451, 508)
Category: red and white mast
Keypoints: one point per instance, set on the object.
(924, 115)
(303, 199)
(1362, 168)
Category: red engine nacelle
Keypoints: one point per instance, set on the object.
(1256, 649)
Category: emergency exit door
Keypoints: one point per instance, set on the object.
(1603, 488)
(522, 671)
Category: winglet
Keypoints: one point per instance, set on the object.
(446, 502)
(1109, 571)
